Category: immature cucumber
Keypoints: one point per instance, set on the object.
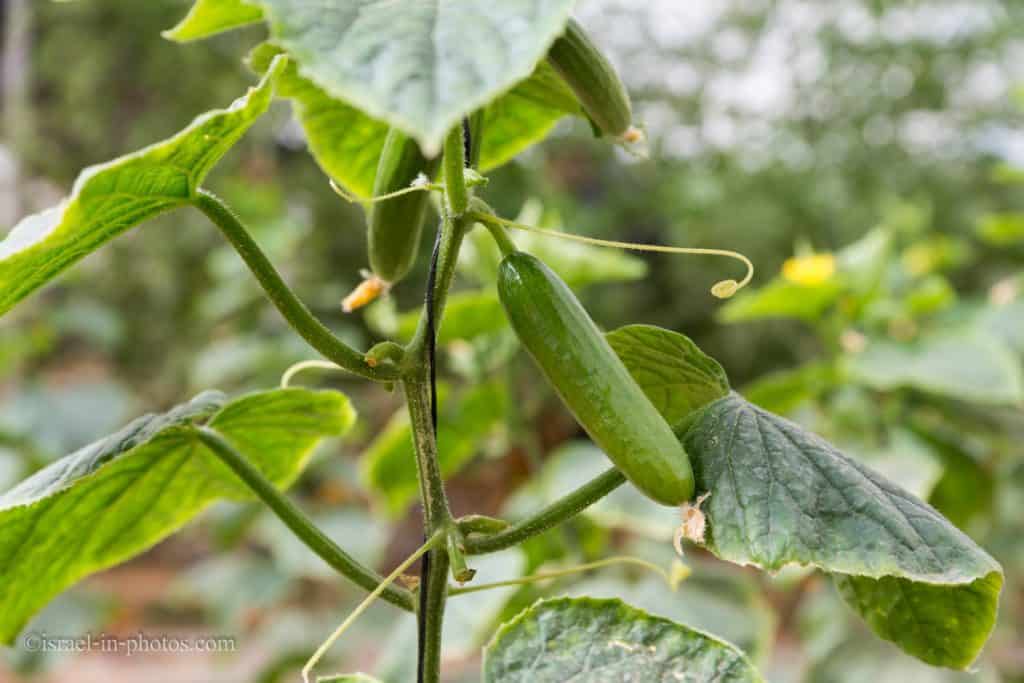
(396, 224)
(592, 381)
(592, 77)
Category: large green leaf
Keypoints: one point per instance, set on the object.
(606, 641)
(347, 143)
(965, 367)
(781, 495)
(120, 495)
(715, 598)
(112, 197)
(347, 678)
(209, 17)
(420, 65)
(389, 464)
(525, 115)
(673, 372)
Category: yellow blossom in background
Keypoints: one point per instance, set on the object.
(809, 270)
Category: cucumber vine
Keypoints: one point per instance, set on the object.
(754, 488)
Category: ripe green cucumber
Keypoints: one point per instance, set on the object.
(594, 81)
(395, 225)
(591, 379)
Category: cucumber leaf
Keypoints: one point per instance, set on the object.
(110, 198)
(420, 65)
(601, 641)
(347, 143)
(781, 495)
(120, 495)
(673, 372)
(525, 115)
(210, 17)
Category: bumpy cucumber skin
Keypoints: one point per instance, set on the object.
(395, 225)
(592, 381)
(594, 80)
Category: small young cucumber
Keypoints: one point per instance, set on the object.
(395, 225)
(592, 77)
(591, 380)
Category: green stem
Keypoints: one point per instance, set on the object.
(293, 310)
(435, 502)
(432, 606)
(483, 214)
(299, 523)
(416, 381)
(454, 170)
(556, 513)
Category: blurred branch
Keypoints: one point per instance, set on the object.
(296, 520)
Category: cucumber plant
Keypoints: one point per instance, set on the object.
(754, 488)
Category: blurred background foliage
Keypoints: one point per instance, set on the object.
(868, 156)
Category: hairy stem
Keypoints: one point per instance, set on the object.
(293, 310)
(435, 503)
(556, 513)
(299, 523)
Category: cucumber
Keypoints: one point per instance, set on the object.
(594, 81)
(395, 225)
(591, 379)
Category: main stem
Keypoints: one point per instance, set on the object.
(417, 383)
(418, 380)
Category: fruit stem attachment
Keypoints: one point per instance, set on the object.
(505, 243)
(722, 289)
(564, 508)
